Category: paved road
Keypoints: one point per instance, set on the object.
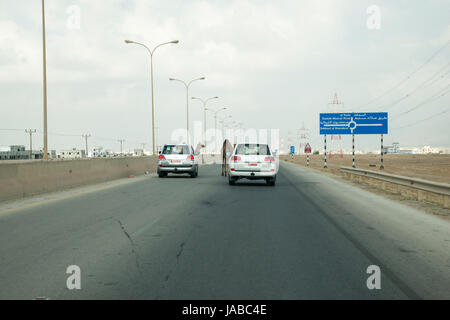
(182, 238)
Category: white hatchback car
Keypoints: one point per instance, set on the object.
(252, 161)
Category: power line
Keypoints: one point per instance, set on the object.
(409, 76)
(70, 135)
(436, 96)
(422, 120)
(433, 79)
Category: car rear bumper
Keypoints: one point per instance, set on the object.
(252, 174)
(177, 169)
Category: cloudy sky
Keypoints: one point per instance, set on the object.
(274, 64)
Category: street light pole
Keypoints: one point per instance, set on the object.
(44, 64)
(187, 85)
(30, 132)
(156, 137)
(224, 125)
(204, 116)
(215, 124)
(151, 51)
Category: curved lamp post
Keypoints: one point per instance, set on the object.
(204, 101)
(215, 121)
(151, 51)
(187, 85)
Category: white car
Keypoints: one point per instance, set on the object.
(177, 158)
(252, 161)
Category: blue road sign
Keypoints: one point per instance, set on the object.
(292, 150)
(354, 123)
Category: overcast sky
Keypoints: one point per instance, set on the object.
(274, 64)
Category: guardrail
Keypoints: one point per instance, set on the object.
(430, 186)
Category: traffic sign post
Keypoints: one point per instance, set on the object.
(292, 151)
(353, 150)
(353, 123)
(307, 151)
(381, 154)
(325, 151)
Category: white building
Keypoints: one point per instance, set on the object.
(99, 152)
(395, 148)
(71, 154)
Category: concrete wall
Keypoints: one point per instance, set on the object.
(22, 179)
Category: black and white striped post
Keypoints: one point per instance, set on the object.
(353, 150)
(325, 151)
(307, 159)
(381, 153)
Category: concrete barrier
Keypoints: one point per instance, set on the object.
(412, 188)
(22, 179)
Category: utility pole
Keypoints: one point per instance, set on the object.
(44, 64)
(86, 136)
(30, 132)
(121, 145)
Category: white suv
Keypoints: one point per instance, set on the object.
(177, 158)
(252, 161)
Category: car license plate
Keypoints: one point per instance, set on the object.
(253, 164)
(176, 161)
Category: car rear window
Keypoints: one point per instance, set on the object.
(176, 149)
(253, 149)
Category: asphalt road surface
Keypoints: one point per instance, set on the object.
(309, 237)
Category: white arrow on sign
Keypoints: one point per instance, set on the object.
(352, 125)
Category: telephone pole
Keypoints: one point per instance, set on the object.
(30, 132)
(86, 136)
(121, 145)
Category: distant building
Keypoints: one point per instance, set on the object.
(18, 152)
(71, 154)
(394, 149)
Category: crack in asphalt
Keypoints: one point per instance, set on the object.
(180, 251)
(133, 251)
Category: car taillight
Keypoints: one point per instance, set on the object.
(236, 158)
(191, 157)
(269, 159)
(161, 157)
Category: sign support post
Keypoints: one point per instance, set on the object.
(308, 150)
(382, 164)
(353, 150)
(353, 123)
